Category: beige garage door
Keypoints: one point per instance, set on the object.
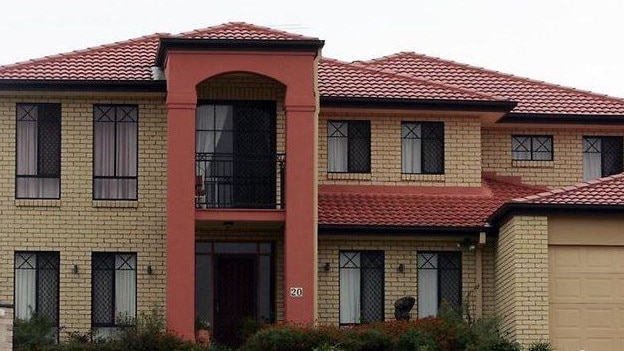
(587, 298)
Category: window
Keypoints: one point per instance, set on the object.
(422, 147)
(38, 164)
(37, 285)
(602, 157)
(532, 147)
(115, 152)
(348, 146)
(361, 287)
(439, 281)
(113, 289)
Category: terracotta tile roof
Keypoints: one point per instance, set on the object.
(126, 60)
(131, 59)
(242, 30)
(386, 206)
(342, 79)
(604, 192)
(532, 96)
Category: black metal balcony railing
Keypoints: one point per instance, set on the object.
(239, 181)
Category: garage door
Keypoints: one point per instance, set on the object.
(587, 298)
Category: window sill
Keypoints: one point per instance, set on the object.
(418, 177)
(116, 203)
(37, 202)
(532, 164)
(349, 176)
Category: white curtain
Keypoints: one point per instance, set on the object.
(214, 125)
(592, 158)
(427, 285)
(125, 287)
(105, 142)
(27, 151)
(104, 160)
(25, 285)
(411, 147)
(127, 159)
(349, 287)
(337, 145)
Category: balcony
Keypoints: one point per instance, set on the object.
(249, 181)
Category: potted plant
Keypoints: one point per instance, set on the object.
(202, 331)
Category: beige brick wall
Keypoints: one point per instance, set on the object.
(76, 225)
(566, 167)
(462, 150)
(397, 285)
(522, 278)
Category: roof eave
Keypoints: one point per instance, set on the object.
(142, 86)
(512, 208)
(190, 44)
(552, 118)
(424, 104)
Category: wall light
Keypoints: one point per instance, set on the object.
(401, 268)
(149, 270)
(327, 267)
(75, 269)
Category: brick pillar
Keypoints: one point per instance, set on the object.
(300, 234)
(181, 214)
(521, 273)
(6, 326)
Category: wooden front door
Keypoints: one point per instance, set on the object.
(235, 300)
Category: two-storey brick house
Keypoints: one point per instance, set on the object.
(233, 172)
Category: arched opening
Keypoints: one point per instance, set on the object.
(239, 142)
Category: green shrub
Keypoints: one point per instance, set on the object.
(281, 338)
(34, 333)
(416, 340)
(367, 339)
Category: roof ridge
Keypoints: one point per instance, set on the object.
(243, 24)
(570, 188)
(72, 53)
(495, 72)
(392, 73)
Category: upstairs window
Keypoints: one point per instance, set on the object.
(602, 157)
(115, 133)
(361, 287)
(38, 163)
(422, 147)
(348, 146)
(113, 290)
(532, 147)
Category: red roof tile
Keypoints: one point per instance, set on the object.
(126, 60)
(342, 79)
(532, 96)
(387, 206)
(241, 30)
(604, 192)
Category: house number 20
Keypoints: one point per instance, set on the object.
(296, 292)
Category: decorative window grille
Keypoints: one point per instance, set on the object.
(37, 285)
(439, 282)
(361, 287)
(38, 151)
(113, 289)
(348, 144)
(115, 152)
(532, 147)
(422, 147)
(602, 157)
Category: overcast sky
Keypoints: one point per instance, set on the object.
(576, 43)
